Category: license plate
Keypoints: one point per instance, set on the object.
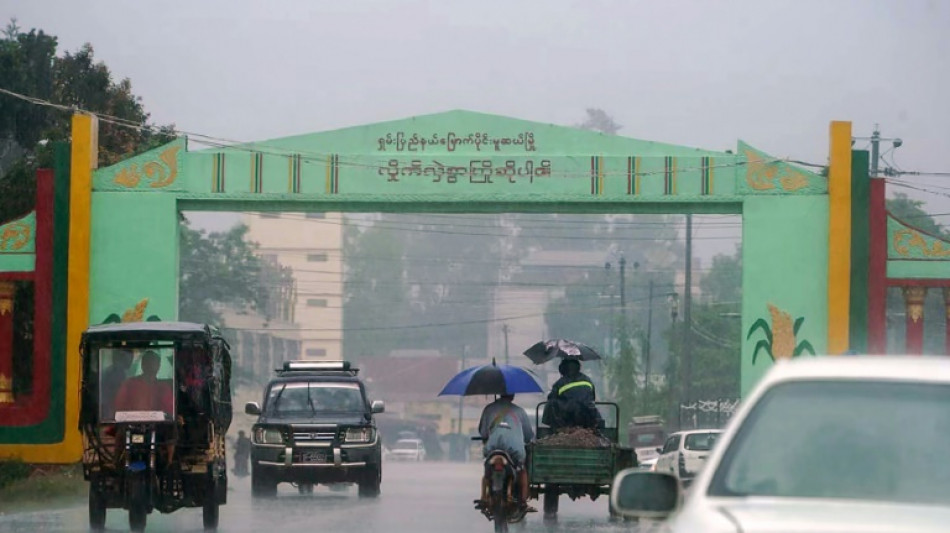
(313, 457)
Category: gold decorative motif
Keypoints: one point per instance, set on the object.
(783, 337)
(15, 236)
(137, 313)
(6, 389)
(7, 291)
(761, 175)
(914, 300)
(906, 238)
(158, 174)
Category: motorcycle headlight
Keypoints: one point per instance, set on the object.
(268, 436)
(359, 435)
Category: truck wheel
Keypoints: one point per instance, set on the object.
(97, 509)
(370, 481)
(262, 486)
(550, 503)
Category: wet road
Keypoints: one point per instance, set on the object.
(416, 498)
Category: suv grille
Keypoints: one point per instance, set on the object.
(322, 434)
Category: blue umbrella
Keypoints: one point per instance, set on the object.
(491, 379)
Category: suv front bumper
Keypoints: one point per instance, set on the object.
(312, 464)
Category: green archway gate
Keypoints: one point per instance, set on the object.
(465, 162)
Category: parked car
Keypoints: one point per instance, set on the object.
(408, 450)
(821, 444)
(685, 452)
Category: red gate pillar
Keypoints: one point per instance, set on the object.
(914, 303)
(7, 290)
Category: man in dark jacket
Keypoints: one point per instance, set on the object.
(571, 400)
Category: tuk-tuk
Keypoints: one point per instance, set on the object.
(155, 407)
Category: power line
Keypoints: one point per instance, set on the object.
(315, 157)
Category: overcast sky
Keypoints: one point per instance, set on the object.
(697, 73)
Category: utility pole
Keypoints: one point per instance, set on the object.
(464, 349)
(623, 283)
(687, 313)
(646, 349)
(505, 330)
(875, 149)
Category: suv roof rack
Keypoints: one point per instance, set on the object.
(317, 366)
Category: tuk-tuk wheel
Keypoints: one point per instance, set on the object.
(97, 509)
(210, 513)
(138, 506)
(137, 518)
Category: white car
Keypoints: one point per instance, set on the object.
(685, 452)
(408, 450)
(843, 444)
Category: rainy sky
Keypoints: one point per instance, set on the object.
(695, 73)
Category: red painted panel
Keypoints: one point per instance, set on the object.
(34, 409)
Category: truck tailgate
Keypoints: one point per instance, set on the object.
(574, 466)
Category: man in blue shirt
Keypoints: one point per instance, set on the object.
(505, 426)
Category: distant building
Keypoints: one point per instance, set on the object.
(409, 381)
(311, 245)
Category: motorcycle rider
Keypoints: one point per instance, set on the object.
(571, 400)
(505, 426)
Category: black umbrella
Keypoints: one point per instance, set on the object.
(544, 351)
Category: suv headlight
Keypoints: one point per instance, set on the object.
(359, 435)
(268, 436)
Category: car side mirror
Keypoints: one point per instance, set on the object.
(639, 494)
(378, 407)
(252, 408)
(659, 450)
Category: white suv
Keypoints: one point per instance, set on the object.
(685, 452)
(822, 444)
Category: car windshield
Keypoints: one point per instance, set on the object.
(649, 439)
(843, 440)
(701, 442)
(306, 398)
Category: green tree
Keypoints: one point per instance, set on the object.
(375, 292)
(220, 269)
(29, 65)
(715, 340)
(599, 120)
(912, 212)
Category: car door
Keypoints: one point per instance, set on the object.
(666, 462)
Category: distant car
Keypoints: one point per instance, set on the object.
(685, 452)
(408, 450)
(648, 465)
(821, 444)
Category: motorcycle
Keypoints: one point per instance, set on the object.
(499, 485)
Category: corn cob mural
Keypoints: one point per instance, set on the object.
(780, 337)
(135, 314)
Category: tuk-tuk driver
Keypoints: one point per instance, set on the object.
(145, 392)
